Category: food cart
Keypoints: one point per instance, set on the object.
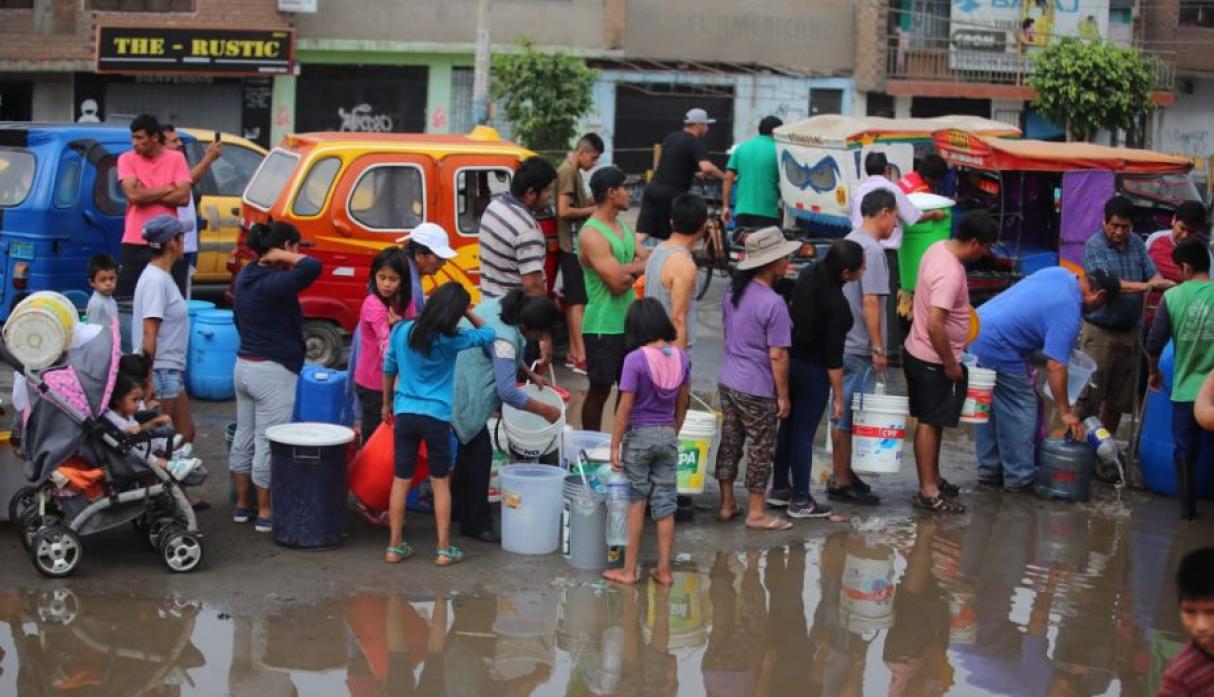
(822, 160)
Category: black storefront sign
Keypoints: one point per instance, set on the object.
(361, 98)
(195, 51)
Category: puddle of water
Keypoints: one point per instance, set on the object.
(1026, 599)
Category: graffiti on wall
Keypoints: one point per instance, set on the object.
(361, 119)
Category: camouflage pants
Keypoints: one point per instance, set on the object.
(749, 421)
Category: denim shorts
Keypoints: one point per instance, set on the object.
(651, 457)
(168, 383)
(855, 370)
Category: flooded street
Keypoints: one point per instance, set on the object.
(1023, 598)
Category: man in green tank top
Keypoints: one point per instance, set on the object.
(1186, 317)
(608, 253)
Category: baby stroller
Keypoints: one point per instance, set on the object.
(88, 475)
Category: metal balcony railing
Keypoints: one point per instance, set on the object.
(932, 59)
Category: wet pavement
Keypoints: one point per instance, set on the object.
(1023, 598)
(1016, 597)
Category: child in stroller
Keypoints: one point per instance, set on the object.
(87, 473)
(123, 413)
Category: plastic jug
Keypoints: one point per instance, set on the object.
(322, 396)
(615, 488)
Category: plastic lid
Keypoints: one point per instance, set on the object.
(930, 202)
(316, 435)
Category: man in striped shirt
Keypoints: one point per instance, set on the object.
(512, 246)
(1191, 672)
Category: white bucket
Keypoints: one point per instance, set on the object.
(697, 447)
(531, 508)
(979, 395)
(878, 431)
(39, 329)
(530, 435)
(595, 444)
(1079, 371)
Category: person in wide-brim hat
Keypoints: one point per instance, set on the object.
(754, 375)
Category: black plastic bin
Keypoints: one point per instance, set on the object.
(308, 483)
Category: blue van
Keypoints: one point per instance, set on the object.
(60, 204)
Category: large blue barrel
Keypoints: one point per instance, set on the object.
(212, 356)
(193, 307)
(308, 483)
(1155, 445)
(323, 396)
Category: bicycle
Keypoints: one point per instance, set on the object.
(713, 256)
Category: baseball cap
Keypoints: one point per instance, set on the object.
(697, 116)
(161, 229)
(432, 237)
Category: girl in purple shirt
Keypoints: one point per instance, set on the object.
(655, 387)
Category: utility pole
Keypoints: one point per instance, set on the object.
(480, 71)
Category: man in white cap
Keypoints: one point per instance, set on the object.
(683, 156)
(427, 248)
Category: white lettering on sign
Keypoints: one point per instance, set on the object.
(360, 119)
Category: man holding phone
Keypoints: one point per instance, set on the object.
(183, 271)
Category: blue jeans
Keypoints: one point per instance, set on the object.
(1189, 439)
(809, 390)
(1006, 444)
(855, 371)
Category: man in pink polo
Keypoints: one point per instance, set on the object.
(156, 181)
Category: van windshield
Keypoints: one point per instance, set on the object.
(271, 178)
(16, 175)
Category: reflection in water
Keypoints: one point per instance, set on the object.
(1025, 600)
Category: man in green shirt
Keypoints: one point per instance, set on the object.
(754, 169)
(1185, 315)
(612, 263)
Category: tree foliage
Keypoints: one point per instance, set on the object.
(1086, 86)
(543, 95)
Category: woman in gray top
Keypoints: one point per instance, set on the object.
(160, 324)
(670, 272)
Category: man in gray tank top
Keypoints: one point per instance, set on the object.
(670, 273)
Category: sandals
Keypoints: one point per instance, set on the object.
(449, 556)
(939, 504)
(403, 552)
(948, 489)
(774, 524)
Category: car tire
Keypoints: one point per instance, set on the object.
(324, 343)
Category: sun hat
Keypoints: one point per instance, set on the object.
(697, 116)
(159, 230)
(764, 246)
(432, 237)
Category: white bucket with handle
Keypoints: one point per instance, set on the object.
(531, 436)
(878, 430)
(979, 392)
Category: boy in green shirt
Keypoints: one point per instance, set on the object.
(1186, 317)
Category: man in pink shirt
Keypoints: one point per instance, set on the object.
(935, 379)
(156, 181)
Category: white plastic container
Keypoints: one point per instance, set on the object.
(878, 432)
(979, 392)
(532, 499)
(1079, 371)
(530, 435)
(697, 447)
(39, 329)
(596, 445)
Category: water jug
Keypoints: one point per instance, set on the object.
(212, 355)
(322, 396)
(1065, 470)
(615, 486)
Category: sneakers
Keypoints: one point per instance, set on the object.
(241, 516)
(578, 367)
(184, 451)
(178, 442)
(179, 468)
(807, 508)
(263, 525)
(779, 498)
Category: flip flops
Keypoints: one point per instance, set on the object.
(775, 524)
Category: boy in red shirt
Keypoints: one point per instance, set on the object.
(1191, 672)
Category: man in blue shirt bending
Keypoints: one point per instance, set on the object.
(1040, 313)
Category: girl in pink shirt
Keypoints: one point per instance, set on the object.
(389, 299)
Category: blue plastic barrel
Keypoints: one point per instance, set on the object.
(212, 355)
(308, 483)
(1155, 444)
(193, 307)
(322, 396)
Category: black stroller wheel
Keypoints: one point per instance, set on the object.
(22, 501)
(27, 527)
(156, 529)
(180, 550)
(56, 551)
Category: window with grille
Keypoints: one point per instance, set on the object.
(1197, 13)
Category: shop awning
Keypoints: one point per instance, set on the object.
(967, 149)
(832, 130)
